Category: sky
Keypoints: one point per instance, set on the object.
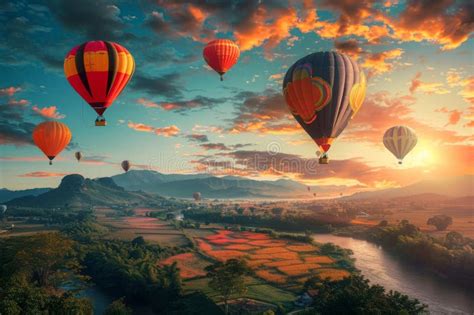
(175, 116)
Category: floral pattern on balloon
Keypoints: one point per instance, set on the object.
(306, 95)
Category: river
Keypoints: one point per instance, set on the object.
(389, 271)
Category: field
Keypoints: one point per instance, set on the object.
(463, 219)
(190, 265)
(151, 229)
(273, 260)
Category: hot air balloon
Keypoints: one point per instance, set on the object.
(51, 137)
(99, 71)
(78, 156)
(324, 91)
(221, 55)
(400, 140)
(309, 188)
(126, 165)
(197, 196)
(314, 194)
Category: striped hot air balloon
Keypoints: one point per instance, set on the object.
(221, 55)
(324, 91)
(99, 71)
(400, 140)
(51, 137)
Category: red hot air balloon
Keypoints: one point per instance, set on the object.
(99, 71)
(221, 55)
(51, 137)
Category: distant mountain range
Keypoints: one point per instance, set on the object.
(183, 186)
(6, 194)
(77, 191)
(458, 186)
(145, 187)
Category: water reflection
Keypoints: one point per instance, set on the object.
(382, 268)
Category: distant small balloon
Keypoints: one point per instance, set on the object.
(78, 156)
(126, 165)
(400, 140)
(197, 196)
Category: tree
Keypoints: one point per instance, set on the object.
(118, 307)
(43, 256)
(139, 241)
(441, 221)
(228, 278)
(354, 295)
(277, 211)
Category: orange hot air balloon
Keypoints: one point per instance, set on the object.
(126, 165)
(51, 137)
(221, 55)
(99, 71)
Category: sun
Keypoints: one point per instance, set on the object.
(423, 157)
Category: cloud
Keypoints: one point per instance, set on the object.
(41, 174)
(454, 115)
(9, 91)
(197, 137)
(48, 112)
(261, 163)
(147, 103)
(14, 128)
(445, 22)
(169, 131)
(263, 113)
(215, 146)
(468, 90)
(377, 62)
(166, 85)
(182, 20)
(223, 147)
(350, 47)
(183, 106)
(426, 87)
(96, 19)
(390, 111)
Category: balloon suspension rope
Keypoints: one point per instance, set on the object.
(222, 78)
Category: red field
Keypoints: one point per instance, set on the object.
(189, 264)
(278, 261)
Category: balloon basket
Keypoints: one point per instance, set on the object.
(324, 160)
(100, 123)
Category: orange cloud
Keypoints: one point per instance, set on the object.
(147, 103)
(41, 174)
(425, 87)
(169, 131)
(9, 91)
(48, 112)
(468, 90)
(390, 111)
(454, 115)
(21, 102)
(377, 62)
(444, 22)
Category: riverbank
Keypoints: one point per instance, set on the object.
(388, 270)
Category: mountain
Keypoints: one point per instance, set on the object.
(458, 186)
(77, 191)
(144, 179)
(7, 195)
(183, 186)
